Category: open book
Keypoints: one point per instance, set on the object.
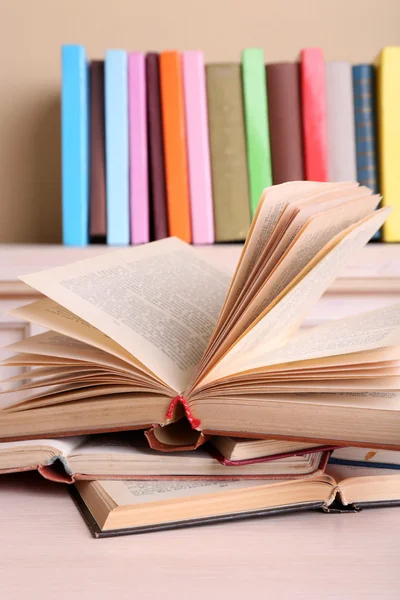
(122, 507)
(127, 456)
(240, 451)
(147, 335)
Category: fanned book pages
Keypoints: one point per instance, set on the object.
(123, 507)
(145, 336)
(126, 455)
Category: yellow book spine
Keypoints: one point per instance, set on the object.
(388, 106)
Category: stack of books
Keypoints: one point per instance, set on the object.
(168, 393)
(162, 144)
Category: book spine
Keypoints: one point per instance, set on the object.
(117, 147)
(97, 213)
(228, 152)
(284, 107)
(138, 172)
(314, 114)
(158, 198)
(201, 201)
(256, 122)
(388, 76)
(340, 122)
(174, 128)
(364, 90)
(75, 145)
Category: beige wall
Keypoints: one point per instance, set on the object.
(31, 32)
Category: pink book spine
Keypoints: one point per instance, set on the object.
(201, 201)
(138, 166)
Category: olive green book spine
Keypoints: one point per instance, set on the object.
(228, 152)
(257, 126)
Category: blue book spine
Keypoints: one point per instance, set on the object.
(75, 145)
(362, 463)
(117, 147)
(365, 124)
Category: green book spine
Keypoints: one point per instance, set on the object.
(257, 127)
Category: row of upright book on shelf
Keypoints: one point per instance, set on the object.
(157, 145)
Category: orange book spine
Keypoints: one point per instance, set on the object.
(175, 151)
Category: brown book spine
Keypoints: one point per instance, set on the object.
(284, 107)
(158, 200)
(98, 219)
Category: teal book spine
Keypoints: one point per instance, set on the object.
(364, 89)
(117, 147)
(257, 126)
(75, 145)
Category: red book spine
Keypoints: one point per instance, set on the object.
(314, 114)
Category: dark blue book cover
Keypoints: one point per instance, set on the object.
(364, 88)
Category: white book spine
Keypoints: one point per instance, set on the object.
(342, 164)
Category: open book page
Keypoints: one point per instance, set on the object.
(21, 400)
(23, 359)
(64, 446)
(282, 210)
(312, 238)
(160, 302)
(365, 484)
(270, 208)
(358, 333)
(297, 212)
(139, 492)
(89, 377)
(53, 316)
(274, 327)
(56, 345)
(322, 201)
(315, 222)
(318, 385)
(368, 359)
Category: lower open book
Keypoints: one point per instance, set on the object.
(113, 508)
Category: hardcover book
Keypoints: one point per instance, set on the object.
(366, 457)
(138, 170)
(340, 121)
(138, 167)
(388, 77)
(117, 147)
(151, 334)
(128, 456)
(365, 125)
(158, 195)
(75, 145)
(228, 152)
(123, 507)
(314, 114)
(364, 89)
(98, 208)
(198, 145)
(240, 451)
(285, 125)
(256, 121)
(175, 145)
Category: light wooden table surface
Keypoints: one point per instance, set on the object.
(47, 553)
